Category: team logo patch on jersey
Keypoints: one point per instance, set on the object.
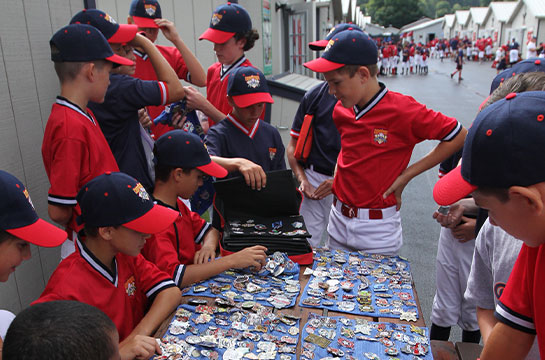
(29, 199)
(150, 9)
(380, 136)
(272, 153)
(252, 81)
(216, 18)
(140, 191)
(498, 289)
(130, 286)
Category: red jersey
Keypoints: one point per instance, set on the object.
(74, 151)
(176, 246)
(522, 303)
(386, 52)
(377, 142)
(216, 85)
(122, 295)
(145, 71)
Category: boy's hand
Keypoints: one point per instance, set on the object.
(168, 29)
(397, 188)
(195, 100)
(144, 118)
(251, 256)
(452, 219)
(204, 255)
(324, 189)
(307, 189)
(253, 174)
(178, 121)
(465, 231)
(139, 347)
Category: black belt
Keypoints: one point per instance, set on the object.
(319, 169)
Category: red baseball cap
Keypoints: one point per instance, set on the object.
(112, 31)
(144, 13)
(18, 217)
(226, 21)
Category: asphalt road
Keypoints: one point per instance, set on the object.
(460, 100)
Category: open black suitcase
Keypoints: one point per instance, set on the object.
(269, 217)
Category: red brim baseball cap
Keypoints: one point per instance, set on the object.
(116, 59)
(322, 65)
(124, 34)
(213, 169)
(252, 98)
(157, 219)
(216, 36)
(40, 233)
(451, 188)
(144, 22)
(318, 44)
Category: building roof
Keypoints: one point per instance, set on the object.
(537, 7)
(462, 16)
(414, 23)
(478, 14)
(424, 24)
(449, 20)
(502, 9)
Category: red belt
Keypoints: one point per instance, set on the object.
(352, 211)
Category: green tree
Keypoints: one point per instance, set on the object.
(456, 7)
(442, 8)
(394, 12)
(428, 7)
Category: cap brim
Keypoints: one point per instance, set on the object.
(318, 45)
(154, 221)
(144, 22)
(253, 98)
(451, 188)
(216, 36)
(116, 59)
(213, 169)
(322, 65)
(124, 34)
(40, 233)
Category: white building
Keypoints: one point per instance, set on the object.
(497, 16)
(448, 26)
(426, 31)
(527, 20)
(475, 22)
(460, 23)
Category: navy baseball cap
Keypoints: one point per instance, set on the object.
(321, 44)
(248, 86)
(181, 149)
(226, 21)
(18, 217)
(115, 198)
(348, 47)
(112, 31)
(504, 147)
(82, 42)
(144, 13)
(525, 66)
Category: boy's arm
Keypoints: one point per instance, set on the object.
(507, 343)
(304, 184)
(162, 68)
(198, 76)
(486, 320)
(253, 174)
(251, 256)
(207, 253)
(59, 213)
(196, 100)
(442, 151)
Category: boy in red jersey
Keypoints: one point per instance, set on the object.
(74, 149)
(187, 249)
(108, 271)
(503, 168)
(232, 34)
(379, 129)
(147, 15)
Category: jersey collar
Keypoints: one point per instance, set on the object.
(140, 54)
(371, 103)
(65, 102)
(95, 263)
(250, 132)
(226, 70)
